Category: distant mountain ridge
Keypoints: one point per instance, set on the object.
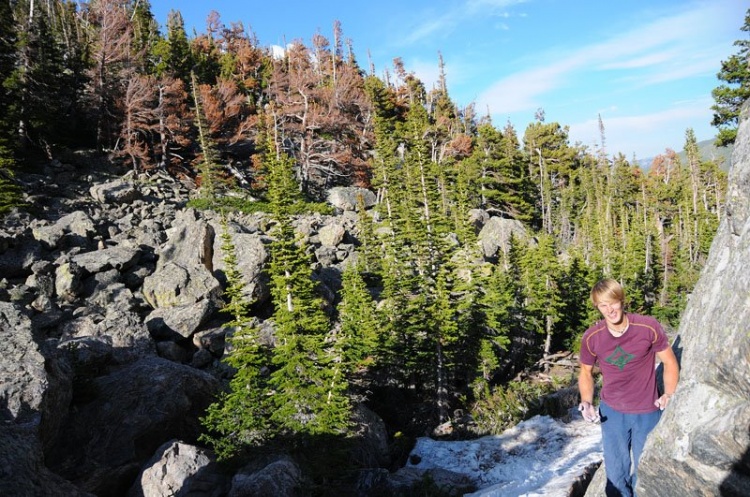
(708, 151)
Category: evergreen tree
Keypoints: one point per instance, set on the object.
(504, 187)
(358, 321)
(208, 165)
(506, 335)
(43, 82)
(388, 120)
(576, 313)
(10, 193)
(540, 275)
(310, 390)
(8, 93)
(729, 97)
(179, 61)
(552, 165)
(240, 419)
(146, 35)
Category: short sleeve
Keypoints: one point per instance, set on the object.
(586, 355)
(661, 341)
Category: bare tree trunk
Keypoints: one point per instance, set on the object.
(442, 392)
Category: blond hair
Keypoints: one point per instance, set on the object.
(607, 289)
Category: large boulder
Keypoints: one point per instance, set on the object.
(119, 333)
(251, 253)
(119, 191)
(178, 468)
(33, 391)
(496, 234)
(77, 229)
(22, 469)
(122, 418)
(183, 279)
(347, 198)
(96, 261)
(702, 444)
(23, 379)
(280, 477)
(18, 254)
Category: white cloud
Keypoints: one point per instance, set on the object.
(685, 40)
(457, 16)
(277, 52)
(651, 59)
(647, 134)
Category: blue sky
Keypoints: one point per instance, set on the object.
(646, 66)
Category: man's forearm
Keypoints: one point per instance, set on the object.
(586, 386)
(671, 377)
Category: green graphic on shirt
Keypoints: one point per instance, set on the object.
(620, 358)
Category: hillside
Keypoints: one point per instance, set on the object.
(708, 151)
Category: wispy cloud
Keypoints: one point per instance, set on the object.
(663, 50)
(450, 20)
(650, 132)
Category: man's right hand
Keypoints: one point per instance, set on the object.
(589, 412)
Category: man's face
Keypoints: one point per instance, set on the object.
(611, 311)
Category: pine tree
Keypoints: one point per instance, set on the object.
(145, 35)
(735, 71)
(208, 164)
(358, 321)
(553, 164)
(541, 272)
(8, 57)
(504, 325)
(240, 419)
(43, 81)
(179, 60)
(310, 390)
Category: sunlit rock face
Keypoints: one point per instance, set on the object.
(702, 444)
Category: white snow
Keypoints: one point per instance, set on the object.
(539, 457)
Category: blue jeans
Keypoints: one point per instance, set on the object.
(623, 434)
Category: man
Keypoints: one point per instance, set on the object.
(626, 347)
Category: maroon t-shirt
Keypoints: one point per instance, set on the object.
(628, 363)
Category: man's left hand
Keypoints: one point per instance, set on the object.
(662, 401)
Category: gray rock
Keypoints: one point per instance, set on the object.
(347, 198)
(120, 258)
(129, 413)
(371, 449)
(183, 320)
(496, 233)
(173, 352)
(174, 285)
(251, 254)
(118, 191)
(22, 469)
(478, 218)
(17, 259)
(331, 235)
(190, 241)
(180, 469)
(34, 383)
(77, 227)
(280, 478)
(183, 274)
(23, 379)
(326, 255)
(120, 330)
(450, 482)
(702, 444)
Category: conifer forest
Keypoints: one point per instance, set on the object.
(424, 317)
